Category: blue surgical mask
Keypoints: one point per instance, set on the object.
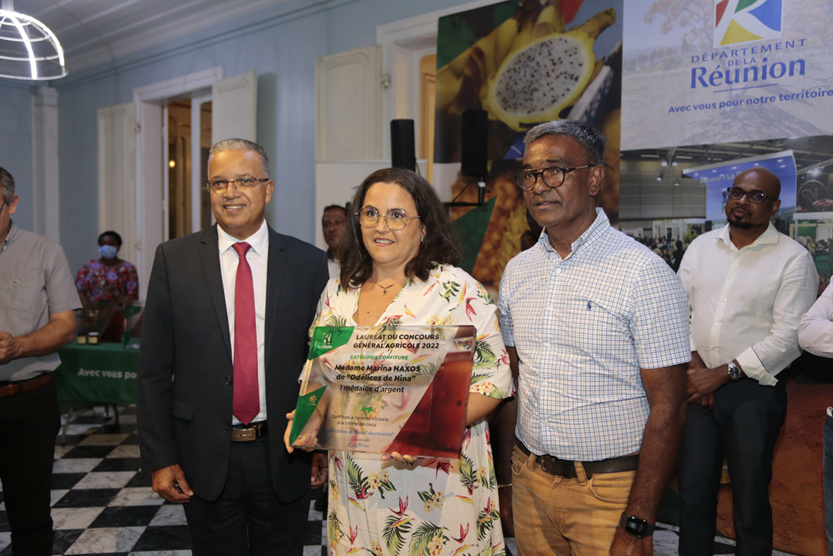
(107, 251)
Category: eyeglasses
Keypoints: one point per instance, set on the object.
(396, 219)
(553, 176)
(219, 186)
(755, 196)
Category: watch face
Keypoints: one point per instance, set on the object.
(636, 526)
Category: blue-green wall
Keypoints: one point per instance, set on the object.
(281, 43)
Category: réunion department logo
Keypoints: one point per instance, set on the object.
(742, 21)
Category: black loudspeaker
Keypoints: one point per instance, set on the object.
(474, 143)
(402, 150)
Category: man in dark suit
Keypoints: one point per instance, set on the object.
(224, 342)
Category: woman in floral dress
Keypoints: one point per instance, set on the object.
(107, 278)
(398, 267)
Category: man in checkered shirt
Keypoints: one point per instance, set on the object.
(598, 337)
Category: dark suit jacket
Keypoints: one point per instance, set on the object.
(185, 363)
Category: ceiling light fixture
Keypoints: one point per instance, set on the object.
(28, 48)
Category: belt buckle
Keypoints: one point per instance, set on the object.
(563, 468)
(555, 466)
(11, 389)
(248, 434)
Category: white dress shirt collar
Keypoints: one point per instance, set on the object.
(258, 240)
(770, 236)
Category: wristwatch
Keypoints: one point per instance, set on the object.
(735, 374)
(636, 526)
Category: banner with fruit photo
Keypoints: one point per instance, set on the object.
(520, 63)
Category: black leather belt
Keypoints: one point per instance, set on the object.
(567, 468)
(247, 433)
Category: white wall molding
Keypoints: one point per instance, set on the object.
(45, 163)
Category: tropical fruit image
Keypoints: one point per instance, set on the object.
(538, 80)
(527, 70)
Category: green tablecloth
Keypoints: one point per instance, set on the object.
(103, 374)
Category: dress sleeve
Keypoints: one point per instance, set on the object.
(491, 375)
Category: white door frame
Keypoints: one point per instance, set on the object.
(151, 210)
(196, 151)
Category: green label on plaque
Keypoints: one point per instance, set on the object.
(328, 338)
(304, 410)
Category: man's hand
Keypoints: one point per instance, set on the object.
(169, 483)
(707, 401)
(319, 470)
(9, 347)
(627, 544)
(702, 381)
(57, 333)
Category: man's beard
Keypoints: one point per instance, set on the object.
(739, 225)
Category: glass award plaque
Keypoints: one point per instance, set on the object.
(383, 390)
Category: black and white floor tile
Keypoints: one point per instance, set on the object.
(103, 505)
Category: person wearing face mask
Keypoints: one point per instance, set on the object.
(107, 278)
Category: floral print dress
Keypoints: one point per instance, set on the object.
(101, 282)
(439, 506)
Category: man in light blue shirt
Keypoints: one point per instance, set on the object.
(597, 330)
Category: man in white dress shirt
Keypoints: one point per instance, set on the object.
(815, 334)
(748, 286)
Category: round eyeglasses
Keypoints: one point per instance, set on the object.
(552, 176)
(241, 184)
(396, 219)
(756, 197)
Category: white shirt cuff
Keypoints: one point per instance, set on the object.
(754, 369)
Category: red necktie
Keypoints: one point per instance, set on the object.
(246, 398)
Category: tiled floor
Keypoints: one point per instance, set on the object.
(102, 505)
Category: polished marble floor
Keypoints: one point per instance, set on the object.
(103, 505)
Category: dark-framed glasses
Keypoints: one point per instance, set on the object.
(755, 196)
(396, 219)
(552, 176)
(241, 184)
